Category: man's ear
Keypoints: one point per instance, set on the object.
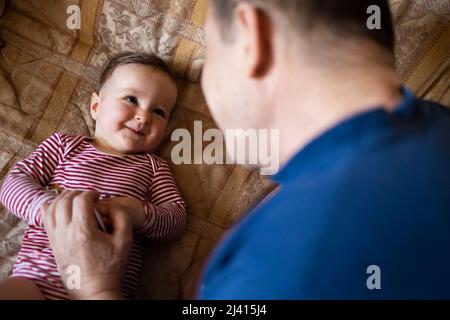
(95, 102)
(255, 36)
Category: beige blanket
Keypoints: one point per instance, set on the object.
(47, 74)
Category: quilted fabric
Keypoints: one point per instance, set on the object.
(48, 72)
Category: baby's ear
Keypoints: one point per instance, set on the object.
(95, 102)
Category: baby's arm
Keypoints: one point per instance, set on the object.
(24, 188)
(165, 212)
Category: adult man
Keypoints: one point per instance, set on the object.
(362, 211)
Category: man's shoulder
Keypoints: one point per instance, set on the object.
(333, 239)
(403, 186)
(434, 106)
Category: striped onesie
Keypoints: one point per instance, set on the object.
(70, 162)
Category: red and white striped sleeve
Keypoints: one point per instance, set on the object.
(24, 188)
(166, 210)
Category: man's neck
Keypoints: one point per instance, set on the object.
(323, 99)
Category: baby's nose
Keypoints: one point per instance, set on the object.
(143, 117)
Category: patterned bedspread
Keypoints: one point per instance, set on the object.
(48, 72)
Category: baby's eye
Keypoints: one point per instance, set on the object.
(131, 99)
(160, 112)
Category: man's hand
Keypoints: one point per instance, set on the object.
(134, 207)
(76, 241)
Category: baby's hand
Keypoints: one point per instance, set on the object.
(133, 206)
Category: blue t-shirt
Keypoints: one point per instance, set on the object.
(362, 212)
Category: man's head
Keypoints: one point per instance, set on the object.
(133, 103)
(248, 40)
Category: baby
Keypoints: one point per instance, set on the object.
(131, 107)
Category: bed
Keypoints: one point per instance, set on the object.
(48, 71)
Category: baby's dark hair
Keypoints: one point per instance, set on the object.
(127, 57)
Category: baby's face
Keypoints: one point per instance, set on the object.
(132, 109)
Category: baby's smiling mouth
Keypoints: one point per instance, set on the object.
(136, 131)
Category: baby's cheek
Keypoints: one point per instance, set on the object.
(161, 130)
(155, 138)
(118, 115)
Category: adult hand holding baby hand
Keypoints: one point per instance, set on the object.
(134, 207)
(76, 241)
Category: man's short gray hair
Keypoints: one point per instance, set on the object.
(344, 18)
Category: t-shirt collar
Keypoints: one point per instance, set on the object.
(323, 146)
